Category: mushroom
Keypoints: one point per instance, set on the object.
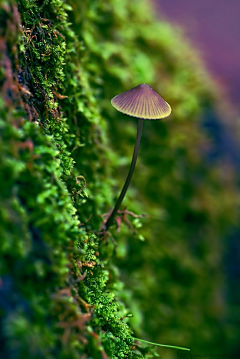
(145, 104)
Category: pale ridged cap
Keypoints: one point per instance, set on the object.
(142, 102)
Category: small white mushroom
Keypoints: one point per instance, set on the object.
(145, 104)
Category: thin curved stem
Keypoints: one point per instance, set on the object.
(128, 179)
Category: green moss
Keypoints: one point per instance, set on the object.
(109, 314)
(41, 231)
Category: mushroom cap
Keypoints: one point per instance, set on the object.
(142, 102)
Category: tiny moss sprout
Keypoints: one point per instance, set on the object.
(145, 104)
(161, 345)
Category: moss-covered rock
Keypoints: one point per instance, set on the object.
(61, 296)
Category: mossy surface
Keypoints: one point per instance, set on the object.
(62, 153)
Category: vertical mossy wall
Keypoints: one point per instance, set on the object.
(63, 154)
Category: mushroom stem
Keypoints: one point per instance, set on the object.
(128, 179)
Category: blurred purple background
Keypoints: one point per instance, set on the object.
(214, 27)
